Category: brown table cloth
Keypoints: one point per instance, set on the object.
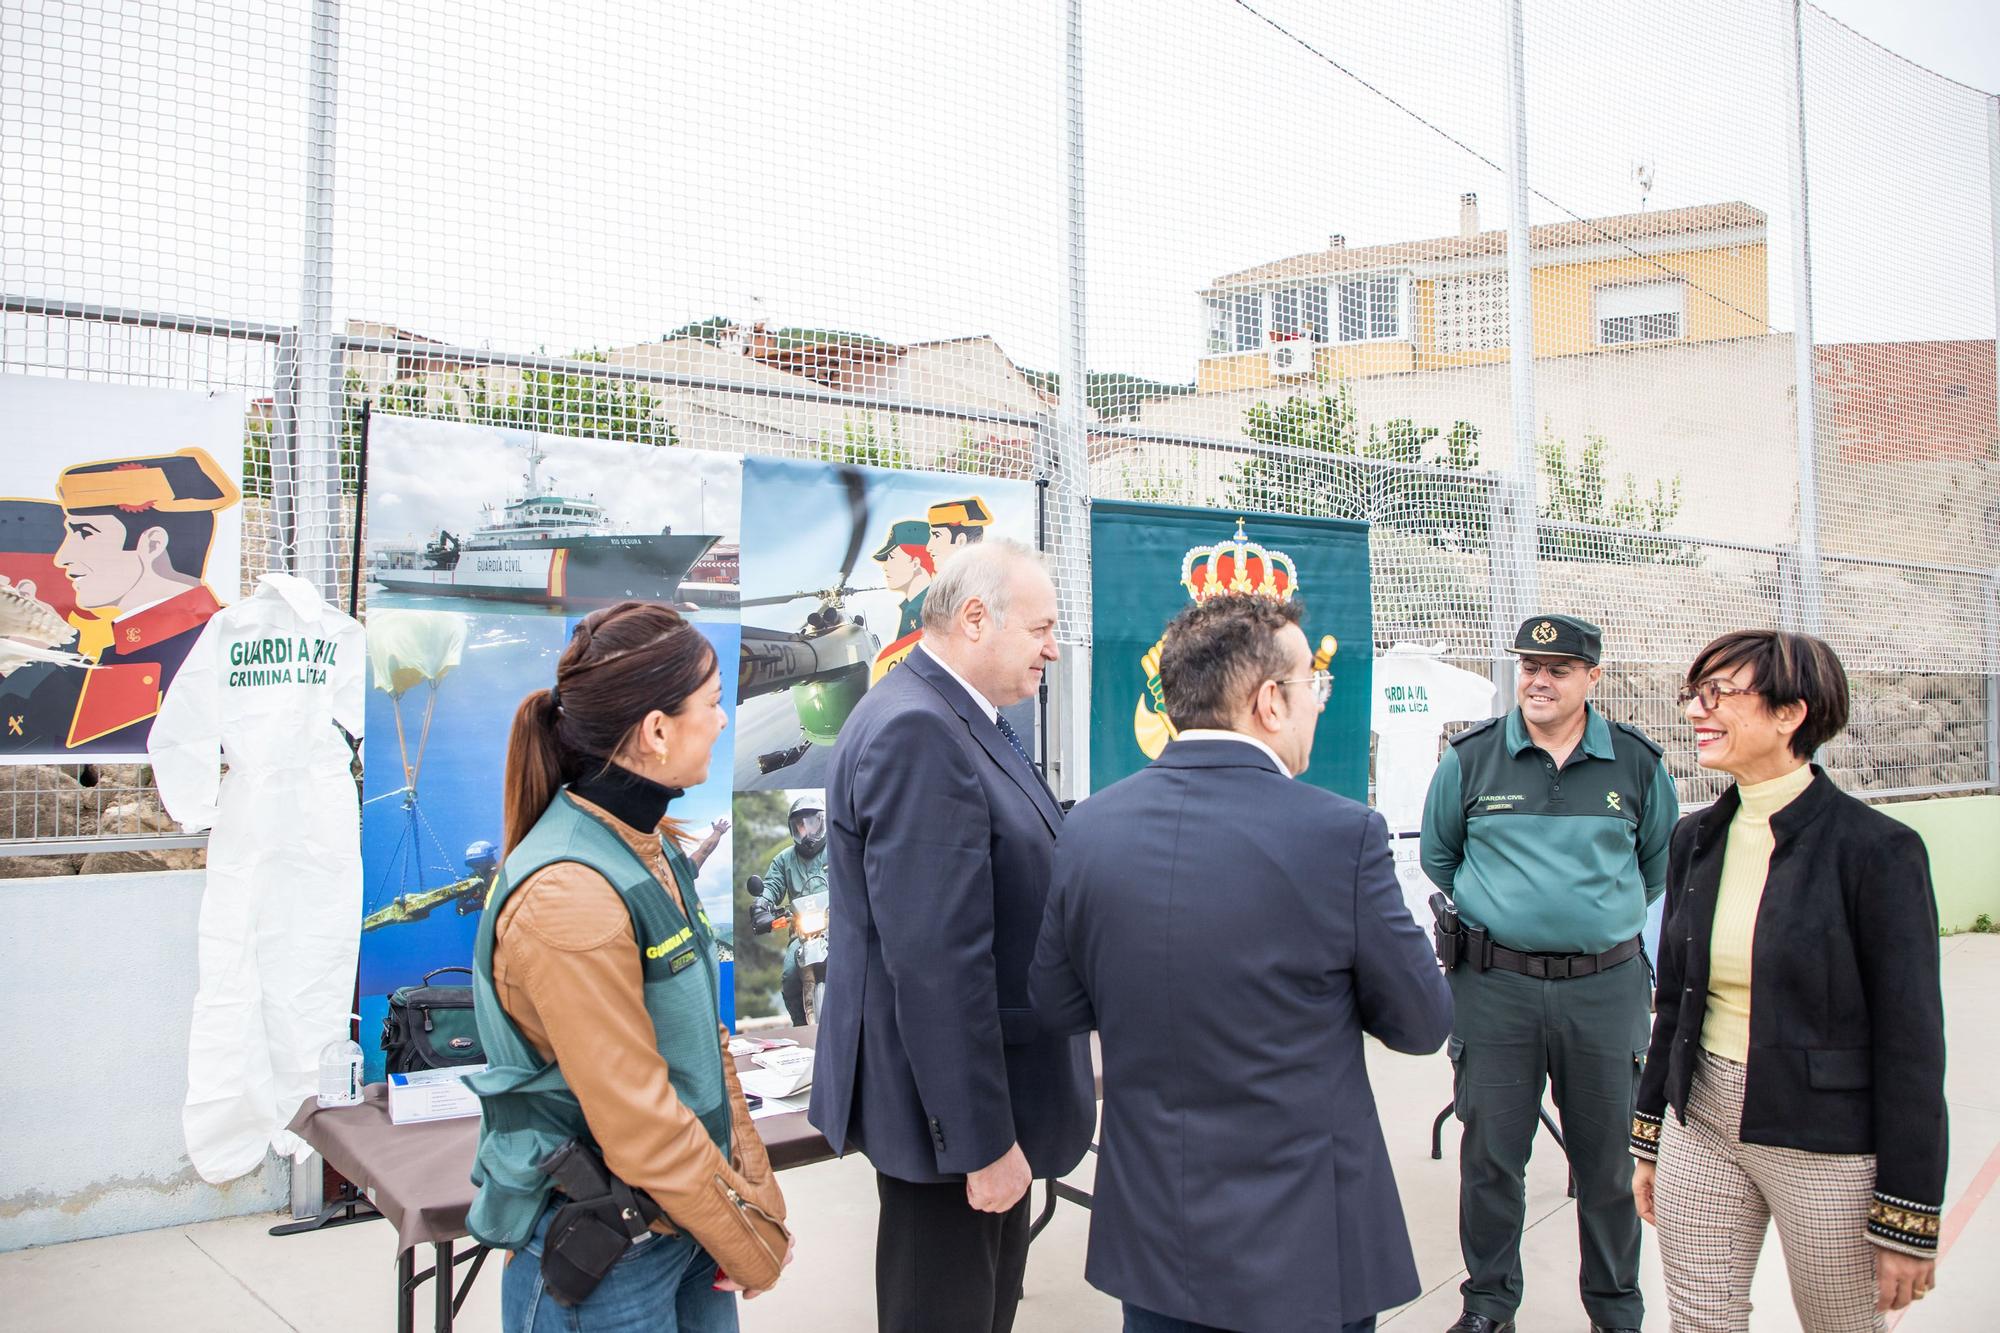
(420, 1176)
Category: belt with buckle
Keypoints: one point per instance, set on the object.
(1561, 966)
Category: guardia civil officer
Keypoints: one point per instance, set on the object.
(616, 1155)
(1547, 831)
(798, 869)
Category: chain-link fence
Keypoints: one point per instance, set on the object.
(1682, 322)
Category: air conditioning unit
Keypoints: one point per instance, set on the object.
(1293, 358)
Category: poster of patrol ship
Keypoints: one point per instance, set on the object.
(459, 511)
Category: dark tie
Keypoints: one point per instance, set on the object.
(1013, 738)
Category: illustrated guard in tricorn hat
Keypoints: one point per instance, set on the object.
(136, 535)
(955, 525)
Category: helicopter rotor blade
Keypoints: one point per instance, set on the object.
(856, 487)
(779, 600)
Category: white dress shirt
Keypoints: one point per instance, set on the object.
(1206, 734)
(985, 705)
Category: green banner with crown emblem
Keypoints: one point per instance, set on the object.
(1150, 562)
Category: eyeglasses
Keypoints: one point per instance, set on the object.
(1553, 670)
(1711, 693)
(1321, 682)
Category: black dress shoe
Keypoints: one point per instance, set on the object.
(1479, 1323)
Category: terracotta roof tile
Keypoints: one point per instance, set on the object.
(1690, 222)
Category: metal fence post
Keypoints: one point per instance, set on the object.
(1993, 583)
(1993, 681)
(1807, 414)
(1513, 545)
(1067, 451)
(314, 503)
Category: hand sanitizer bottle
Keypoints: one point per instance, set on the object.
(340, 1072)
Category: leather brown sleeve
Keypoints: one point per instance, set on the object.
(567, 970)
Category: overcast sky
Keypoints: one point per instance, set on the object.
(568, 175)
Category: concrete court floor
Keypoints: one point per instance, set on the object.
(230, 1275)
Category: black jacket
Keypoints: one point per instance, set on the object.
(1846, 1009)
(1232, 933)
(941, 840)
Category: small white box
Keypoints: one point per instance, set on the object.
(432, 1094)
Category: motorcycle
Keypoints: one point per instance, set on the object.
(808, 924)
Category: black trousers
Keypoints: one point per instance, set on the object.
(943, 1267)
(1584, 1038)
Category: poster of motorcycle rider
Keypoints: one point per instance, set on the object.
(781, 907)
(836, 562)
(120, 536)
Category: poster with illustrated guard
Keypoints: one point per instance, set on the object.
(120, 535)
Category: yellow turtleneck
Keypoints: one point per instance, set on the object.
(1725, 1031)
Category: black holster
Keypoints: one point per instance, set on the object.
(600, 1219)
(1457, 942)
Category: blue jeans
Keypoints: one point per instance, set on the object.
(1139, 1320)
(663, 1284)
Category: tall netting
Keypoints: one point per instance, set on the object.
(1664, 444)
(1278, 194)
(1902, 241)
(1251, 254)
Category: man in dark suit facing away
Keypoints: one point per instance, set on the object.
(1231, 933)
(941, 834)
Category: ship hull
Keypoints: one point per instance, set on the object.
(573, 571)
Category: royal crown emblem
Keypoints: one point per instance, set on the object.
(1544, 633)
(1238, 565)
(1234, 565)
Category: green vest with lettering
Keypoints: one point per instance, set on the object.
(526, 1107)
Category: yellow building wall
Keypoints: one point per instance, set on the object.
(1728, 296)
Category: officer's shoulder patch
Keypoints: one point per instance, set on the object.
(1475, 729)
(1641, 737)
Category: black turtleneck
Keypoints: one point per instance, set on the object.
(633, 800)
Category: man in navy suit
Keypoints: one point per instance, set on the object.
(940, 838)
(1231, 933)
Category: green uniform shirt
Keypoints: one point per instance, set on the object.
(913, 615)
(791, 877)
(1551, 860)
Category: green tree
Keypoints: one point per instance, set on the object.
(604, 407)
(1389, 475)
(1579, 492)
(561, 402)
(865, 445)
(759, 833)
(1112, 394)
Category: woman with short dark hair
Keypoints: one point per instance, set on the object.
(1796, 1071)
(595, 988)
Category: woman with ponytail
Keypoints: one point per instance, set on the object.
(596, 995)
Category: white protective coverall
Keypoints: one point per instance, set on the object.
(262, 690)
(1412, 697)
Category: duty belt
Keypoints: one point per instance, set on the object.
(1556, 966)
(1470, 946)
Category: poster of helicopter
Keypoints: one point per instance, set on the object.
(833, 583)
(462, 516)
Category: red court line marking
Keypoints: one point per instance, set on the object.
(1961, 1213)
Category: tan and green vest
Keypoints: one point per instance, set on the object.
(526, 1107)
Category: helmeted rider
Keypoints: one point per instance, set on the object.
(795, 871)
